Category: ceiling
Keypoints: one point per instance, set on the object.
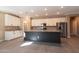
(41, 11)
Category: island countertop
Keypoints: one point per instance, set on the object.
(42, 31)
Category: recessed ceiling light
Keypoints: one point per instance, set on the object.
(32, 11)
(62, 7)
(58, 13)
(45, 9)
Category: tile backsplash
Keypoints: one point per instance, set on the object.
(48, 27)
(12, 28)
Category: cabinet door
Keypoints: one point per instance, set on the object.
(11, 20)
(18, 33)
(9, 35)
(15, 34)
(18, 21)
(15, 21)
(12, 34)
(7, 20)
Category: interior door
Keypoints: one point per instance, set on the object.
(78, 27)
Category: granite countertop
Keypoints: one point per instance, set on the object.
(42, 31)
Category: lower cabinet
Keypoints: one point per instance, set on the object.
(9, 35)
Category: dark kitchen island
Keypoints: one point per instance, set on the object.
(52, 36)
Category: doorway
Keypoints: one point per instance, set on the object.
(74, 26)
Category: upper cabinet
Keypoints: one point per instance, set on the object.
(11, 20)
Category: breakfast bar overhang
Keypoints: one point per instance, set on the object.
(52, 36)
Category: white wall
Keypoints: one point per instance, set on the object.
(49, 21)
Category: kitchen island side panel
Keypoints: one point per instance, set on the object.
(53, 37)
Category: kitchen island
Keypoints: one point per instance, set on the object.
(52, 36)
